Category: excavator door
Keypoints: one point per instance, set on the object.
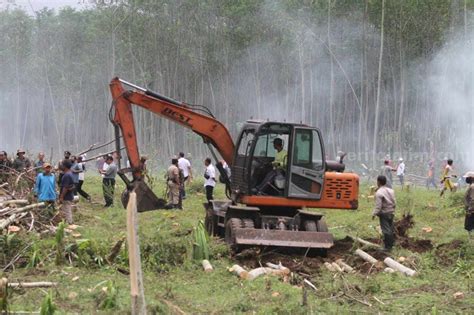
(306, 167)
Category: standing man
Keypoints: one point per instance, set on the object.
(469, 203)
(39, 164)
(67, 156)
(387, 172)
(385, 204)
(21, 163)
(210, 179)
(67, 191)
(173, 182)
(185, 167)
(75, 173)
(446, 177)
(430, 180)
(5, 166)
(45, 186)
(108, 181)
(82, 169)
(401, 171)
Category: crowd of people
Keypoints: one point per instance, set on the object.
(385, 202)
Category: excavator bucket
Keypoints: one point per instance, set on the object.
(263, 237)
(146, 198)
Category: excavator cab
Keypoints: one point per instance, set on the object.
(302, 176)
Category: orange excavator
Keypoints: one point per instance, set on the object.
(276, 216)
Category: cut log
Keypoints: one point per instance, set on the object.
(207, 266)
(399, 267)
(32, 284)
(389, 270)
(241, 272)
(344, 266)
(329, 267)
(278, 267)
(365, 256)
(366, 243)
(337, 267)
(254, 273)
(7, 222)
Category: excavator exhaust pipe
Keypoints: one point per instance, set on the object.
(146, 198)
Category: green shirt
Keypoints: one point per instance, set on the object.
(280, 159)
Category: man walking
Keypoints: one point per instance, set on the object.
(401, 171)
(185, 167)
(446, 177)
(82, 169)
(45, 186)
(108, 181)
(173, 182)
(210, 179)
(385, 204)
(67, 191)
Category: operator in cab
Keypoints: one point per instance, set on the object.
(279, 167)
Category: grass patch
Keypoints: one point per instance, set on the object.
(174, 281)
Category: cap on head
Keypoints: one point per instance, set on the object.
(67, 153)
(400, 159)
(20, 151)
(46, 165)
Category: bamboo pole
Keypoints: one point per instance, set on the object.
(136, 277)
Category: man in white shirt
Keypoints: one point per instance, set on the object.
(401, 171)
(185, 167)
(210, 179)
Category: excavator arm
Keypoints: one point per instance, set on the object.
(212, 131)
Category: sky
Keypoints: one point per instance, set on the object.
(34, 5)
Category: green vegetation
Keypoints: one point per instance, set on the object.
(173, 280)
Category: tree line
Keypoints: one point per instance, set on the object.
(365, 72)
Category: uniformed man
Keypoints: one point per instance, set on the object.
(21, 162)
(385, 204)
(173, 182)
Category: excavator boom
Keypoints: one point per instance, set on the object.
(212, 131)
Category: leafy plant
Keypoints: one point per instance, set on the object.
(47, 306)
(35, 258)
(107, 298)
(201, 242)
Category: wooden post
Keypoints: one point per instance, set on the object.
(137, 292)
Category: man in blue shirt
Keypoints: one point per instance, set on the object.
(67, 191)
(45, 186)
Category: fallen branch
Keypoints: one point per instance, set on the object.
(367, 243)
(32, 284)
(30, 207)
(357, 300)
(308, 283)
(95, 146)
(115, 251)
(14, 202)
(101, 155)
(399, 267)
(366, 257)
